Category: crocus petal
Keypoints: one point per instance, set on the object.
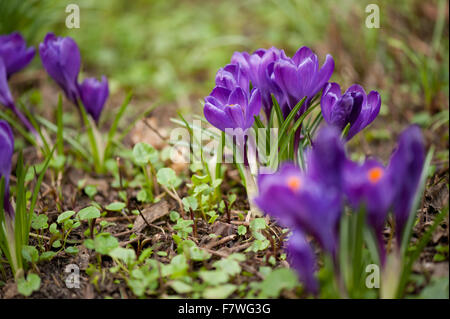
(238, 97)
(307, 71)
(406, 166)
(374, 105)
(254, 107)
(302, 259)
(289, 81)
(5, 94)
(241, 58)
(93, 94)
(297, 201)
(7, 149)
(327, 157)
(15, 53)
(301, 55)
(236, 116)
(221, 94)
(331, 93)
(358, 88)
(216, 116)
(341, 112)
(324, 75)
(369, 111)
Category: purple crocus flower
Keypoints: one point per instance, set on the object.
(7, 149)
(326, 159)
(301, 257)
(406, 164)
(300, 77)
(93, 94)
(14, 52)
(382, 188)
(229, 105)
(354, 107)
(311, 200)
(259, 67)
(61, 58)
(370, 183)
(299, 202)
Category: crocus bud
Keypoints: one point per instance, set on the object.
(7, 149)
(14, 52)
(61, 58)
(93, 94)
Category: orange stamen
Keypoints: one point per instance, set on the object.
(294, 183)
(375, 174)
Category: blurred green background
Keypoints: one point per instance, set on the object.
(169, 50)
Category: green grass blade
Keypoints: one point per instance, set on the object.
(289, 119)
(60, 129)
(277, 109)
(38, 186)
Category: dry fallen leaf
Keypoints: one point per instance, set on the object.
(151, 214)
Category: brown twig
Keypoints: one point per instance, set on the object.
(153, 129)
(221, 241)
(194, 223)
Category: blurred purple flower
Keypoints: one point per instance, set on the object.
(406, 165)
(370, 183)
(259, 67)
(93, 94)
(14, 52)
(308, 201)
(230, 105)
(382, 188)
(326, 159)
(6, 98)
(354, 107)
(300, 77)
(301, 257)
(61, 58)
(7, 149)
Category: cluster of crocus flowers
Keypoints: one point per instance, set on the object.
(289, 79)
(14, 56)
(310, 202)
(62, 60)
